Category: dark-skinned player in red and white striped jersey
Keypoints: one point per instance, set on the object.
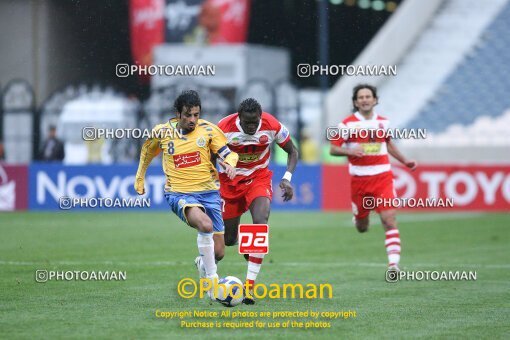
(250, 133)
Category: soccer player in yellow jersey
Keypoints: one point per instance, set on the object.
(192, 184)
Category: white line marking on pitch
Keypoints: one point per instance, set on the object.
(290, 264)
(412, 218)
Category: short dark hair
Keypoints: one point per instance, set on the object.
(249, 105)
(356, 89)
(187, 99)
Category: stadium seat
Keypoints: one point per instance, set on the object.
(454, 74)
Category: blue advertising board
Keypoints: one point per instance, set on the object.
(51, 182)
(307, 184)
(50, 185)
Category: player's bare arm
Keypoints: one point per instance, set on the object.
(356, 151)
(226, 158)
(393, 150)
(292, 158)
(229, 170)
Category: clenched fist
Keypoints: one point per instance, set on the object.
(140, 185)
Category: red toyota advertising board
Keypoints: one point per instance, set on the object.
(473, 187)
(13, 187)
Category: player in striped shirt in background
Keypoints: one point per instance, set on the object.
(250, 133)
(369, 166)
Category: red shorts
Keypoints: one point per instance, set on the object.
(237, 198)
(366, 190)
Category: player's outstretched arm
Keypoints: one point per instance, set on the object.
(226, 158)
(336, 150)
(229, 170)
(292, 159)
(393, 150)
(150, 149)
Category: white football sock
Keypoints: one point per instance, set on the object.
(254, 264)
(392, 244)
(205, 245)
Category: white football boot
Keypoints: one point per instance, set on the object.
(200, 266)
(394, 267)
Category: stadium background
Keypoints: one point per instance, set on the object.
(58, 68)
(67, 78)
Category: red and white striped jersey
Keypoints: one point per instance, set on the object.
(375, 160)
(253, 150)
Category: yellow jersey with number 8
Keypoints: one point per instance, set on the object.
(186, 158)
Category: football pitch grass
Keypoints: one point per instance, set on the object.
(156, 250)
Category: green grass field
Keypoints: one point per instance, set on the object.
(156, 250)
